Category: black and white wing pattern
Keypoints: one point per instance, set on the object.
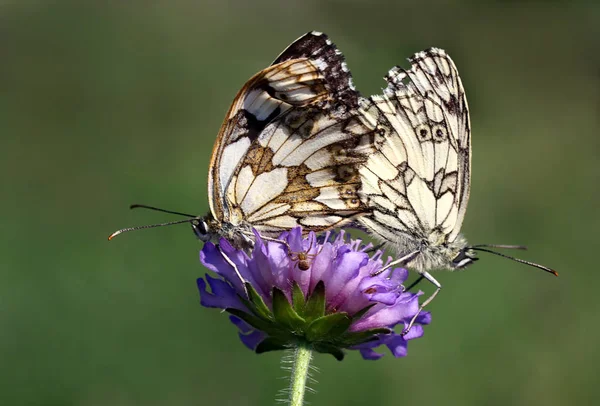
(288, 149)
(417, 181)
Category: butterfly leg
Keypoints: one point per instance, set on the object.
(431, 279)
(402, 261)
(235, 269)
(282, 242)
(415, 283)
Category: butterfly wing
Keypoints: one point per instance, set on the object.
(417, 182)
(287, 151)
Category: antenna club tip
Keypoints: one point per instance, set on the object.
(554, 272)
(113, 235)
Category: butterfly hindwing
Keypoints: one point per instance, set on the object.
(288, 148)
(417, 181)
(438, 75)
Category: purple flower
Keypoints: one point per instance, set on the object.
(321, 294)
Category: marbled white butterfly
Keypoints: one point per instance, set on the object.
(287, 152)
(416, 183)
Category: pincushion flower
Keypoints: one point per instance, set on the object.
(339, 303)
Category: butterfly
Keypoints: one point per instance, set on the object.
(287, 151)
(417, 181)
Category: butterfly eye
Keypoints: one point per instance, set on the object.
(201, 230)
(423, 132)
(439, 133)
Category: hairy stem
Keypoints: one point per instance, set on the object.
(300, 366)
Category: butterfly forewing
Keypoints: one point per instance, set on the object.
(288, 150)
(417, 181)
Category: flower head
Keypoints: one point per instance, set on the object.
(318, 294)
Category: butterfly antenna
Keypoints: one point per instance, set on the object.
(509, 247)
(145, 206)
(124, 230)
(533, 264)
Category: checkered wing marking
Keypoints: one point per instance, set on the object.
(288, 149)
(418, 180)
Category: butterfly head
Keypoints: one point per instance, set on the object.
(201, 227)
(464, 258)
(207, 228)
(436, 252)
(455, 255)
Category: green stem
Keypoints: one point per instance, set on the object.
(300, 367)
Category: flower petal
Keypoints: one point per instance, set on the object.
(397, 345)
(251, 340)
(383, 290)
(214, 261)
(244, 327)
(415, 331)
(347, 266)
(388, 316)
(223, 295)
(368, 353)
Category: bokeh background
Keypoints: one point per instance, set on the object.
(103, 104)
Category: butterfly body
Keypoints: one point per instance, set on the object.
(434, 252)
(207, 229)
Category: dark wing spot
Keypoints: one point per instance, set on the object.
(345, 173)
(423, 132)
(452, 105)
(254, 126)
(260, 159)
(440, 133)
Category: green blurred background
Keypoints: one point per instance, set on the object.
(110, 103)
